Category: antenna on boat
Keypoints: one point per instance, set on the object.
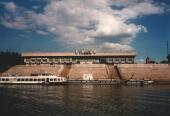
(167, 48)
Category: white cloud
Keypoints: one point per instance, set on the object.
(16, 17)
(18, 24)
(10, 6)
(83, 22)
(73, 21)
(116, 47)
(88, 40)
(139, 9)
(41, 32)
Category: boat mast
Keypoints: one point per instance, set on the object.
(167, 48)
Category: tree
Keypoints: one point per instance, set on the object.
(8, 59)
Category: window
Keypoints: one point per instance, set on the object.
(116, 59)
(129, 59)
(110, 59)
(123, 59)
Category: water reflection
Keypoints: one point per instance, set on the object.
(37, 100)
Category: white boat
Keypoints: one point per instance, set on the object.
(139, 82)
(148, 81)
(33, 80)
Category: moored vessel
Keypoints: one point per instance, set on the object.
(39, 79)
(138, 82)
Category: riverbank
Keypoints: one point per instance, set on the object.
(158, 73)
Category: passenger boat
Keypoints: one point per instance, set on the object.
(138, 82)
(40, 79)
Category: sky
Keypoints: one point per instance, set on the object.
(101, 25)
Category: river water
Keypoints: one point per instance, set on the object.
(84, 100)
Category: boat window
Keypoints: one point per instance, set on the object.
(35, 79)
(51, 79)
(30, 79)
(22, 79)
(39, 79)
(18, 79)
(7, 79)
(26, 79)
(3, 79)
(54, 79)
(0, 79)
(58, 79)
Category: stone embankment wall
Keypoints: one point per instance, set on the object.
(23, 70)
(72, 72)
(157, 72)
(99, 71)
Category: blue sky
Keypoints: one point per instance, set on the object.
(104, 25)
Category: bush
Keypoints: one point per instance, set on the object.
(8, 59)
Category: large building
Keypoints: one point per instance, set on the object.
(83, 56)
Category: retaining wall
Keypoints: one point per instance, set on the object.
(157, 72)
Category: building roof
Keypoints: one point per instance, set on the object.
(48, 54)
